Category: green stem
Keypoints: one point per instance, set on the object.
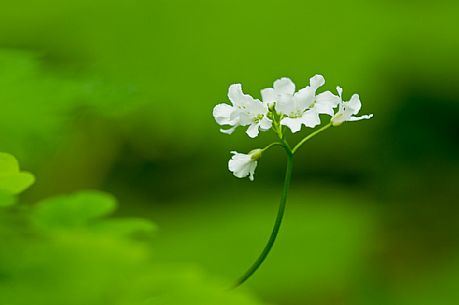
(310, 136)
(271, 145)
(277, 224)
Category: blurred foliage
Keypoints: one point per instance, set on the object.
(37, 103)
(12, 180)
(65, 251)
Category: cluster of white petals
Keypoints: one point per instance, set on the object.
(296, 108)
(304, 106)
(287, 107)
(243, 111)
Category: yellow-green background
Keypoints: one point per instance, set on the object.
(118, 96)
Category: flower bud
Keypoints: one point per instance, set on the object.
(337, 119)
(255, 154)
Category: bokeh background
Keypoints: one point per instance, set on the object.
(118, 96)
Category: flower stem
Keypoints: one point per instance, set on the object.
(310, 136)
(277, 224)
(271, 145)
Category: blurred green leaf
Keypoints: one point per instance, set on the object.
(97, 266)
(124, 226)
(42, 104)
(12, 180)
(73, 210)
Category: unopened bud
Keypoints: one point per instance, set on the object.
(255, 154)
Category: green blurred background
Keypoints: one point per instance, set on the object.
(118, 96)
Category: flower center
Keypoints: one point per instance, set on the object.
(296, 114)
(258, 118)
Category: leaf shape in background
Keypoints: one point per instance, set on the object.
(125, 226)
(73, 210)
(12, 180)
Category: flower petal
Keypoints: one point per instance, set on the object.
(354, 103)
(316, 81)
(304, 98)
(253, 130)
(310, 118)
(228, 131)
(293, 123)
(268, 96)
(358, 118)
(235, 94)
(255, 107)
(285, 104)
(326, 102)
(241, 117)
(265, 123)
(284, 86)
(252, 168)
(324, 109)
(340, 91)
(328, 98)
(222, 114)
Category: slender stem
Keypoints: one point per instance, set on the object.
(277, 224)
(310, 136)
(272, 144)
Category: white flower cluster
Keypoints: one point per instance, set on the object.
(296, 108)
(282, 105)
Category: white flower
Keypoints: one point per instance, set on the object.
(326, 102)
(243, 165)
(347, 110)
(244, 111)
(283, 86)
(298, 108)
